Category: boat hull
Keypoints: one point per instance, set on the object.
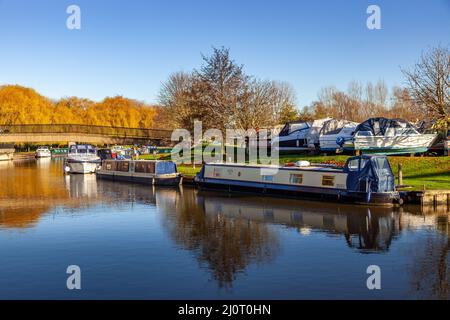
(81, 167)
(43, 154)
(300, 192)
(160, 180)
(392, 145)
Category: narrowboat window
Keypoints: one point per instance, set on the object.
(125, 166)
(328, 181)
(296, 178)
(353, 165)
(108, 166)
(267, 178)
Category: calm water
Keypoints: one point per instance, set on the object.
(133, 241)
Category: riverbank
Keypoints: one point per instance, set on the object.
(430, 173)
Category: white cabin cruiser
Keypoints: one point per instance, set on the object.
(334, 133)
(82, 158)
(299, 136)
(43, 152)
(389, 136)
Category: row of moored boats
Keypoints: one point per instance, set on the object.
(375, 135)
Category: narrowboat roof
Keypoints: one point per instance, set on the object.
(313, 167)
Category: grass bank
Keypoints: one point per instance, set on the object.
(433, 173)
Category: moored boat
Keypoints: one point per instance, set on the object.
(389, 136)
(151, 172)
(43, 152)
(82, 158)
(366, 179)
(299, 136)
(334, 133)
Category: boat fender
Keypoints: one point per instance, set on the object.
(67, 169)
(303, 163)
(340, 141)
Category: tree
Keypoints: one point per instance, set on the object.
(221, 88)
(429, 84)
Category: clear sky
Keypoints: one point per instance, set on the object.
(130, 47)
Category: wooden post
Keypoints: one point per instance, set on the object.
(400, 174)
(447, 146)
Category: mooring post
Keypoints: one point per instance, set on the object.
(400, 174)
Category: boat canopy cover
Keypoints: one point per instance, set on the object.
(334, 126)
(369, 173)
(294, 126)
(166, 167)
(313, 133)
(383, 126)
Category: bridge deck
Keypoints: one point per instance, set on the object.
(79, 133)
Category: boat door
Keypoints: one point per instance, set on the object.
(359, 174)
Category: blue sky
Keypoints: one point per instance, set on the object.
(130, 47)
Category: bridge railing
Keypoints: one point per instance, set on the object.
(119, 132)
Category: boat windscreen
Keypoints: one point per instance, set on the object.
(386, 127)
(292, 127)
(335, 126)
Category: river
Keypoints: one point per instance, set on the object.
(138, 242)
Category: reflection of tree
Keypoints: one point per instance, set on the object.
(226, 245)
(430, 270)
(30, 189)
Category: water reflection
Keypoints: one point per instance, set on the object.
(228, 235)
(430, 273)
(225, 244)
(366, 229)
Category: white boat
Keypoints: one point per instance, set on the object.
(6, 152)
(334, 133)
(43, 152)
(364, 179)
(389, 136)
(299, 135)
(82, 158)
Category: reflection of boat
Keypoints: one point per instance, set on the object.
(364, 228)
(364, 179)
(6, 152)
(43, 152)
(81, 185)
(389, 136)
(334, 133)
(44, 162)
(82, 158)
(141, 171)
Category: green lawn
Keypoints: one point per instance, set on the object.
(431, 172)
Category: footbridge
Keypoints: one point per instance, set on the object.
(64, 133)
